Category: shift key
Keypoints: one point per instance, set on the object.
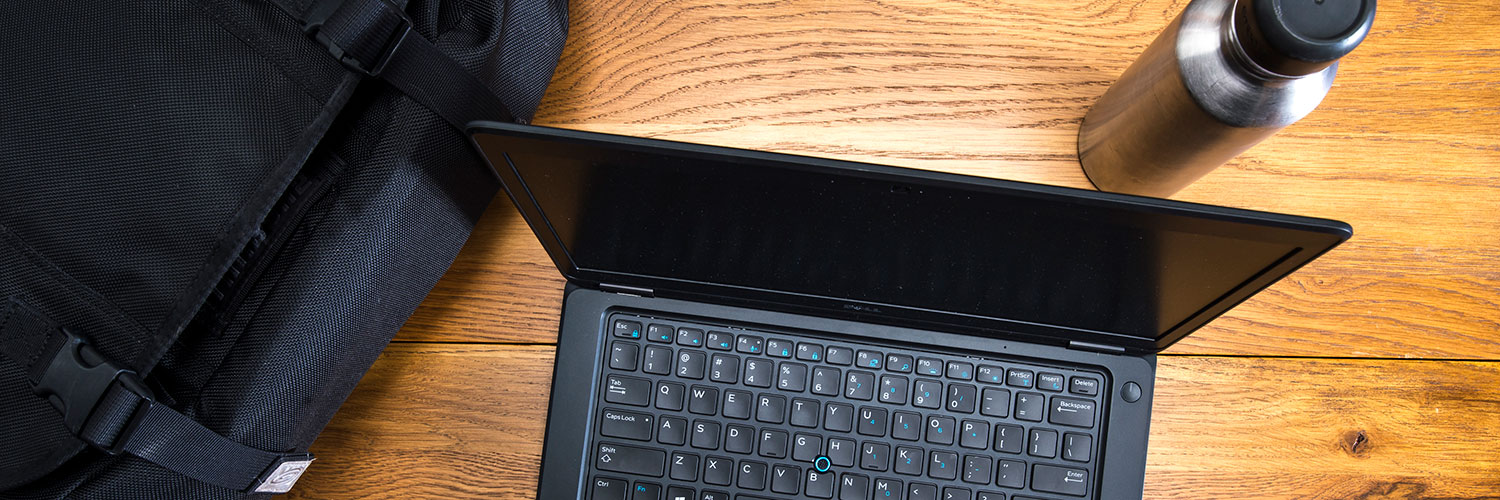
(630, 460)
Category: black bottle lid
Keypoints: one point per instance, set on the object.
(1301, 37)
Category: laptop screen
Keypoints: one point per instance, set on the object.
(981, 250)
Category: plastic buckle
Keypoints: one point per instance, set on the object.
(393, 41)
(77, 380)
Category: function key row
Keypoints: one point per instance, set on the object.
(874, 360)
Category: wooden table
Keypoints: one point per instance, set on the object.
(1373, 373)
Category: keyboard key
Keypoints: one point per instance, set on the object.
(608, 488)
(1043, 443)
(627, 390)
(670, 396)
(1009, 438)
(1084, 386)
(859, 385)
(1029, 406)
(819, 484)
(773, 443)
(920, 491)
(672, 430)
(720, 495)
(906, 425)
(807, 351)
(804, 413)
(994, 402)
(705, 435)
(690, 364)
(750, 344)
(759, 372)
(806, 447)
(940, 429)
(725, 368)
(838, 417)
(944, 465)
(893, 389)
(1010, 473)
(779, 348)
(961, 398)
(739, 439)
(989, 495)
(868, 359)
(623, 356)
(703, 400)
(630, 460)
(977, 469)
(840, 355)
(927, 394)
(875, 457)
(720, 341)
(737, 404)
(1051, 382)
(627, 329)
(1077, 447)
(960, 370)
(684, 467)
(1061, 480)
(974, 434)
(825, 381)
(1018, 378)
(841, 452)
(990, 374)
(909, 460)
(1072, 411)
(951, 493)
(658, 360)
(771, 409)
(718, 471)
(872, 421)
(659, 333)
(899, 363)
(930, 367)
(887, 489)
(785, 479)
(854, 487)
(690, 337)
(792, 377)
(645, 491)
(752, 476)
(627, 425)
(680, 493)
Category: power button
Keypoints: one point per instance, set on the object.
(1131, 392)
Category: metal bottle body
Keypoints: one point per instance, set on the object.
(1190, 103)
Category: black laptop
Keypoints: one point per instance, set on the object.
(743, 325)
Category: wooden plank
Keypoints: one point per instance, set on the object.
(446, 421)
(1406, 147)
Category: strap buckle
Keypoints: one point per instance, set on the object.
(77, 380)
(363, 34)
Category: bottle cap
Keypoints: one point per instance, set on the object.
(1301, 37)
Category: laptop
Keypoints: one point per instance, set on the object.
(742, 325)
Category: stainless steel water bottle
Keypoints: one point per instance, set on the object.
(1223, 76)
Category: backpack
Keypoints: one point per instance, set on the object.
(214, 214)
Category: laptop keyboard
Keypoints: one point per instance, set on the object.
(701, 412)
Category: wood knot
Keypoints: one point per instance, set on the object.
(1356, 443)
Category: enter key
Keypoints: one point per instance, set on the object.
(1061, 480)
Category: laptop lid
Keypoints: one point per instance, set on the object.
(891, 245)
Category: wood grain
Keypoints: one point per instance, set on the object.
(1406, 147)
(442, 421)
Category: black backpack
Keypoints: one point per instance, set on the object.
(214, 214)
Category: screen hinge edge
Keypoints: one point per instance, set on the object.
(627, 290)
(1092, 347)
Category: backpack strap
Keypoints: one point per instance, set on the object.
(376, 38)
(111, 409)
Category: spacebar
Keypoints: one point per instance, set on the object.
(630, 460)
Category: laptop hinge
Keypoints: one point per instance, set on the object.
(1087, 346)
(626, 290)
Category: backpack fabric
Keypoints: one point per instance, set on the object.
(214, 215)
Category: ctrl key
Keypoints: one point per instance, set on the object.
(1063, 480)
(608, 488)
